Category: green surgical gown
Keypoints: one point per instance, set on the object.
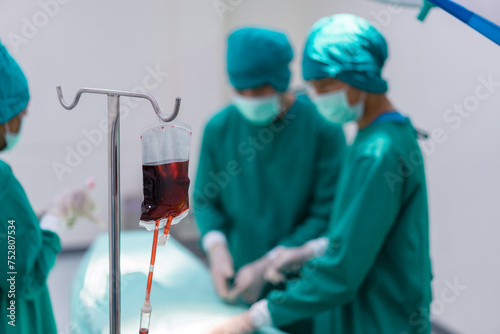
(35, 254)
(264, 186)
(375, 277)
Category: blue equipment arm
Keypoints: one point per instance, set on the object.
(473, 20)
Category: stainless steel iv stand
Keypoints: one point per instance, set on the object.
(114, 184)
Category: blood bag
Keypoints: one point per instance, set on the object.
(165, 163)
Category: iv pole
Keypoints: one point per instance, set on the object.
(114, 184)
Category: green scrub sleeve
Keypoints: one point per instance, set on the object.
(367, 208)
(329, 158)
(30, 250)
(206, 196)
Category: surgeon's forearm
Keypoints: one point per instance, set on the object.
(312, 248)
(311, 228)
(210, 217)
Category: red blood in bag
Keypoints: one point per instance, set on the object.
(143, 331)
(165, 190)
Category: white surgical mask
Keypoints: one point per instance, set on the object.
(11, 139)
(258, 110)
(335, 106)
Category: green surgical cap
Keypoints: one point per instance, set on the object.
(348, 48)
(14, 92)
(257, 57)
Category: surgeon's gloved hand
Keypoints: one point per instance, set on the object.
(221, 268)
(286, 259)
(239, 324)
(249, 281)
(74, 204)
(291, 259)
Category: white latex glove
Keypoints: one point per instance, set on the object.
(287, 259)
(249, 281)
(221, 268)
(73, 204)
(239, 324)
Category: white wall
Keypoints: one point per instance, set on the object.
(110, 44)
(107, 44)
(433, 66)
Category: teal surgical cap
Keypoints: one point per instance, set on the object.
(14, 92)
(348, 48)
(257, 57)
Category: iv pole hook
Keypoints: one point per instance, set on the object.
(118, 93)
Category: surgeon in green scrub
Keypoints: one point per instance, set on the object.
(268, 169)
(28, 247)
(375, 274)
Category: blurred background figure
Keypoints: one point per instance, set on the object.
(268, 168)
(376, 273)
(30, 246)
